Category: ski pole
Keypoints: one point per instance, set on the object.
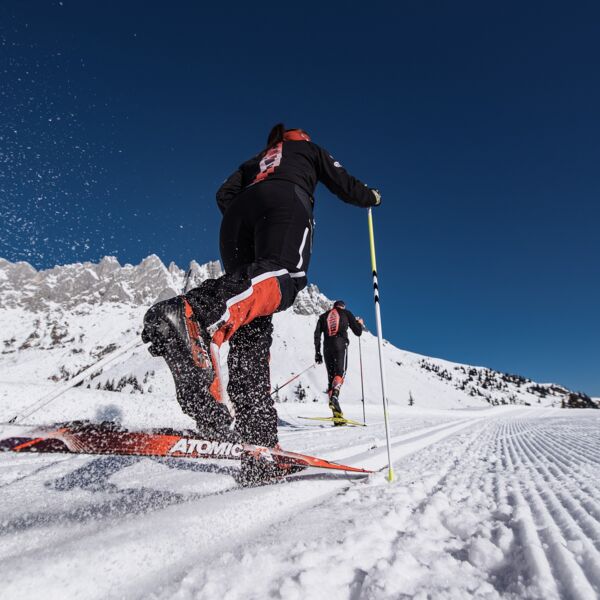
(292, 379)
(44, 400)
(362, 384)
(390, 476)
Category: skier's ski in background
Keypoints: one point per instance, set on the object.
(336, 421)
(78, 437)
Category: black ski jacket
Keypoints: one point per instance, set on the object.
(334, 324)
(300, 162)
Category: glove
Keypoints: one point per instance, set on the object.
(318, 358)
(377, 195)
(360, 322)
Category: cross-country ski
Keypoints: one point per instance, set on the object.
(105, 438)
(335, 420)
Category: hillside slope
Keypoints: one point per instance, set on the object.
(57, 322)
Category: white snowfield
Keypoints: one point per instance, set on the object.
(493, 503)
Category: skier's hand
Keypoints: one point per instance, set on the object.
(360, 321)
(318, 358)
(377, 195)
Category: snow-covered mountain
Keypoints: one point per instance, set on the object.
(55, 323)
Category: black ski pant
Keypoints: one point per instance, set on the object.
(335, 354)
(266, 242)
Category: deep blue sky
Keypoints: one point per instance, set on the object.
(478, 121)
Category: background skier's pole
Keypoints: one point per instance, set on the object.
(362, 383)
(380, 345)
(277, 388)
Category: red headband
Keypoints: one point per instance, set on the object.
(296, 135)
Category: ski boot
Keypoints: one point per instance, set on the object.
(172, 329)
(335, 408)
(175, 335)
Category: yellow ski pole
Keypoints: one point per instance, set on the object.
(390, 475)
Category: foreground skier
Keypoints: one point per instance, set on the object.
(333, 325)
(266, 244)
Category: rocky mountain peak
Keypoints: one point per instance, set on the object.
(108, 281)
(310, 301)
(95, 283)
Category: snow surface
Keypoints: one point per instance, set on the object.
(499, 502)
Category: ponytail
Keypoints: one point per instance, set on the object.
(276, 135)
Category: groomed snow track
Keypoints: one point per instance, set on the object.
(501, 503)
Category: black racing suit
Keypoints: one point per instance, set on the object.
(266, 243)
(333, 325)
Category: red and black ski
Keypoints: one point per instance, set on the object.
(77, 438)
